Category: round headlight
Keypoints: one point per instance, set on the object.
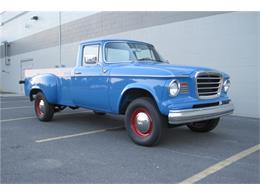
(174, 88)
(226, 85)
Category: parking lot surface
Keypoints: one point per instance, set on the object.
(80, 147)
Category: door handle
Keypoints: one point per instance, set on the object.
(104, 70)
(77, 72)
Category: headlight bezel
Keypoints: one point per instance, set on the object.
(226, 85)
(178, 87)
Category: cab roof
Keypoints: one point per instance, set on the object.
(109, 40)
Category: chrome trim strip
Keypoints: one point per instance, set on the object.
(204, 78)
(209, 87)
(199, 114)
(206, 93)
(122, 75)
(213, 83)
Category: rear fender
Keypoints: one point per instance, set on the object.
(48, 84)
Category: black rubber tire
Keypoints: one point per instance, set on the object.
(48, 108)
(204, 126)
(99, 113)
(156, 130)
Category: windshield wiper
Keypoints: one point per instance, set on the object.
(149, 59)
(146, 59)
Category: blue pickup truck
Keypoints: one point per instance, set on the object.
(131, 78)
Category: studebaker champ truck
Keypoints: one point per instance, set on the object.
(130, 78)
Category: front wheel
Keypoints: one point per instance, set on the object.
(143, 122)
(43, 110)
(204, 126)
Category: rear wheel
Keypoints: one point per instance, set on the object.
(204, 126)
(143, 122)
(43, 110)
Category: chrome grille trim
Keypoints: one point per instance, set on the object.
(208, 84)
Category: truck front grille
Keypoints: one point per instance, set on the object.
(209, 84)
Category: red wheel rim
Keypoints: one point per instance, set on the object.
(135, 125)
(38, 109)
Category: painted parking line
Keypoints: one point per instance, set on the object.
(17, 119)
(9, 108)
(220, 165)
(77, 134)
(14, 101)
(12, 97)
(30, 117)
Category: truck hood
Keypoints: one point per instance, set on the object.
(176, 69)
(159, 69)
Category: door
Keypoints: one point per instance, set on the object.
(89, 83)
(25, 64)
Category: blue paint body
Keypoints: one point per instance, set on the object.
(96, 90)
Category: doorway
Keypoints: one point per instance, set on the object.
(25, 64)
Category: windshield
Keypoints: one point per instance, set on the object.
(129, 51)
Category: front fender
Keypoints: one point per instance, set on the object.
(48, 84)
(154, 90)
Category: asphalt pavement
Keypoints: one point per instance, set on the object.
(80, 147)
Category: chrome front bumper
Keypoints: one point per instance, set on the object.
(199, 114)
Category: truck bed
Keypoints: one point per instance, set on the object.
(60, 72)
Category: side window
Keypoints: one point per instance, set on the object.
(90, 55)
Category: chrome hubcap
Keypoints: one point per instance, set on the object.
(143, 122)
(41, 106)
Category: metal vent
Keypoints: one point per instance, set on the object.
(209, 84)
(6, 49)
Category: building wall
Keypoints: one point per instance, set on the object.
(23, 26)
(225, 41)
